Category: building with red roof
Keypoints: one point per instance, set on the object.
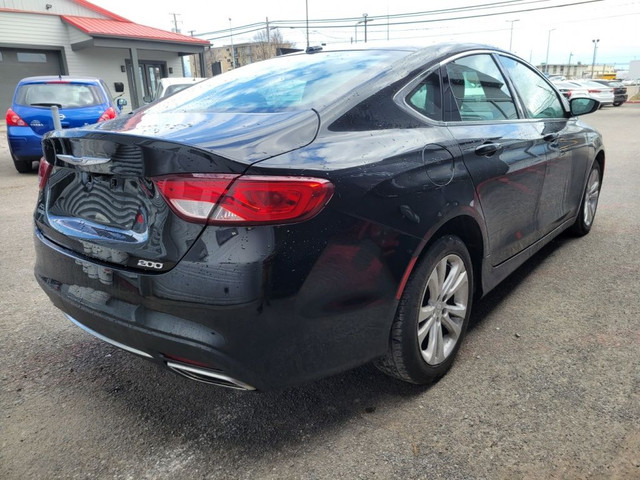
(78, 38)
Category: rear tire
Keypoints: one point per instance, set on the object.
(23, 166)
(589, 204)
(433, 314)
(617, 104)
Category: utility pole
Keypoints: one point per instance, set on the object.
(268, 39)
(233, 50)
(365, 26)
(511, 34)
(175, 22)
(595, 49)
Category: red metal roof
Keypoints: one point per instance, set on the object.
(126, 29)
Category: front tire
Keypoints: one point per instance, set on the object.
(433, 314)
(589, 203)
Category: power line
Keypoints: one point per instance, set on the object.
(300, 23)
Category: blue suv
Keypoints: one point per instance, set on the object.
(81, 101)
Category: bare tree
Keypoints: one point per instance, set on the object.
(267, 47)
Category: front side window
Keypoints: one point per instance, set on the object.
(539, 99)
(479, 89)
(426, 98)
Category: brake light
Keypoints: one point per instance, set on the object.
(108, 114)
(247, 200)
(44, 170)
(14, 120)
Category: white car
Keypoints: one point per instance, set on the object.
(597, 91)
(169, 86)
(571, 89)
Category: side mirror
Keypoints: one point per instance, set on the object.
(147, 99)
(121, 102)
(582, 106)
(118, 87)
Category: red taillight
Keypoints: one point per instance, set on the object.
(108, 114)
(44, 170)
(14, 120)
(247, 200)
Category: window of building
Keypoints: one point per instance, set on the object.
(29, 57)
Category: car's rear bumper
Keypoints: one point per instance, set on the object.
(24, 143)
(246, 323)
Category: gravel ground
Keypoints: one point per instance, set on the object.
(545, 386)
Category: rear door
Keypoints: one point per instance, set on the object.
(503, 153)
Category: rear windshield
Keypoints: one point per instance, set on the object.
(65, 95)
(285, 83)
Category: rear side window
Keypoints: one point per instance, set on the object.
(540, 100)
(479, 89)
(426, 98)
(65, 95)
(284, 83)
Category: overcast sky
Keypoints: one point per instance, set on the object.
(615, 22)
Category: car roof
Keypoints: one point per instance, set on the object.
(58, 78)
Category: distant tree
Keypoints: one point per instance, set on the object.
(267, 47)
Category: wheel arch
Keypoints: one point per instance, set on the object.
(468, 229)
(600, 160)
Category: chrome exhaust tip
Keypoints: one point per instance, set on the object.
(208, 376)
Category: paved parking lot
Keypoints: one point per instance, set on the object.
(547, 384)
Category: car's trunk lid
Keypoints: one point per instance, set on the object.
(100, 199)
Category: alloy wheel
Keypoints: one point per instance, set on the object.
(591, 197)
(443, 309)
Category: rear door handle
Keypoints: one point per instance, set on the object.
(488, 149)
(551, 137)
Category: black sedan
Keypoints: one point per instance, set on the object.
(619, 91)
(304, 215)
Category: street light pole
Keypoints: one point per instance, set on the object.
(546, 63)
(511, 34)
(595, 49)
